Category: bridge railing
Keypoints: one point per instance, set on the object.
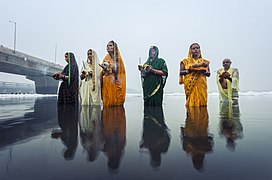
(28, 57)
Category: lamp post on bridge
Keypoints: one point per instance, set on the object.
(14, 44)
(55, 53)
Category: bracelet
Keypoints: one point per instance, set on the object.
(156, 71)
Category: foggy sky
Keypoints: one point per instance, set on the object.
(235, 29)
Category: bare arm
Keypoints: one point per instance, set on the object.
(182, 70)
(157, 72)
(207, 73)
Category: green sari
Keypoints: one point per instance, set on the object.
(153, 84)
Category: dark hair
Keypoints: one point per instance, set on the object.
(116, 60)
(71, 55)
(114, 44)
(194, 44)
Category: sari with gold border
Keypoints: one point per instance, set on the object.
(113, 82)
(69, 88)
(90, 91)
(195, 84)
(153, 84)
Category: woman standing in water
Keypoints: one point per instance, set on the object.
(193, 73)
(113, 77)
(90, 80)
(154, 73)
(68, 91)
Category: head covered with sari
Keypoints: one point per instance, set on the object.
(153, 84)
(188, 63)
(90, 86)
(113, 81)
(68, 91)
(156, 62)
(119, 68)
(72, 70)
(195, 84)
(156, 55)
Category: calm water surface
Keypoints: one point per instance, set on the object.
(40, 140)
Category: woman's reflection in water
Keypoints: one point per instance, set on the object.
(114, 135)
(155, 136)
(196, 140)
(68, 122)
(90, 131)
(230, 126)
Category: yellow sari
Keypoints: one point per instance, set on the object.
(113, 84)
(114, 134)
(195, 84)
(196, 140)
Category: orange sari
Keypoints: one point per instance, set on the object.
(195, 84)
(113, 84)
(114, 134)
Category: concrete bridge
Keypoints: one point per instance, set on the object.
(35, 69)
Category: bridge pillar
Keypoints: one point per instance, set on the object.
(45, 84)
